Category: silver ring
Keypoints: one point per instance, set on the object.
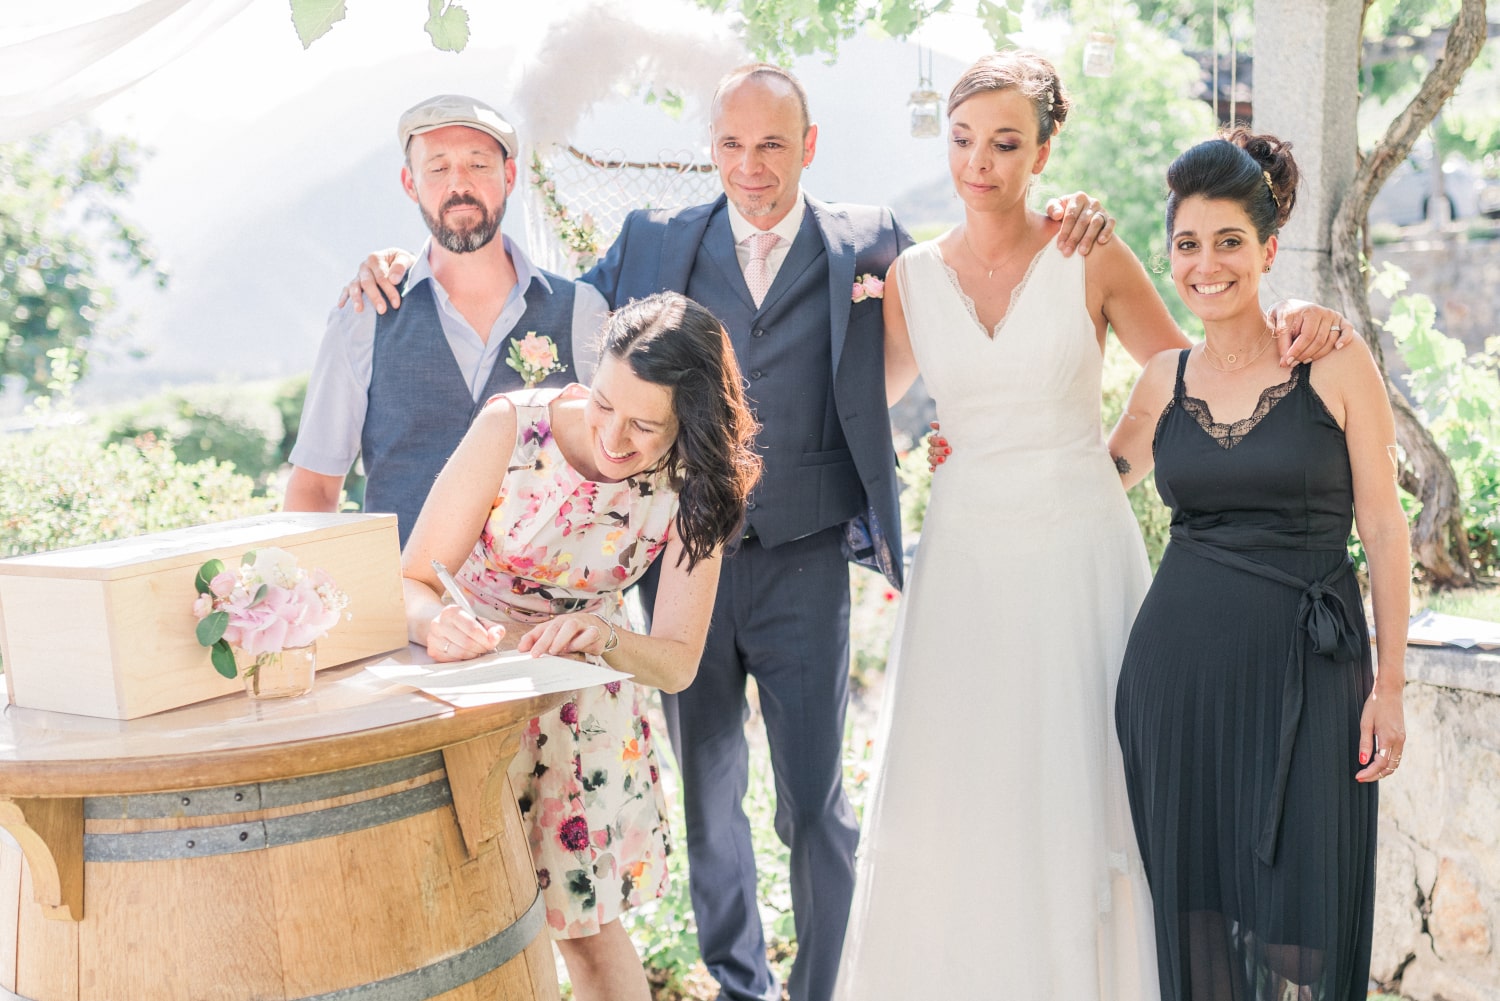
(447, 645)
(1386, 751)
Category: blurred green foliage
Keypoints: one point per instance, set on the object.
(60, 193)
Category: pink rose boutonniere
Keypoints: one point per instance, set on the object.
(534, 358)
(868, 287)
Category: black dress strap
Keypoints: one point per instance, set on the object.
(1181, 389)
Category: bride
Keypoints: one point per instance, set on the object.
(997, 848)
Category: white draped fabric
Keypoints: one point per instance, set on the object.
(63, 58)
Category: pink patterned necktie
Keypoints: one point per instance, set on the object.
(757, 272)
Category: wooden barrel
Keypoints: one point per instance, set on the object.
(353, 885)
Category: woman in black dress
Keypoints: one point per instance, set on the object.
(1252, 724)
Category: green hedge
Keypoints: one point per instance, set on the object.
(66, 487)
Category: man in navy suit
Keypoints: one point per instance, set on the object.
(814, 361)
(779, 267)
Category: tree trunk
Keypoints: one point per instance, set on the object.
(1439, 540)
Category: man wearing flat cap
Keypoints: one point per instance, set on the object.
(400, 386)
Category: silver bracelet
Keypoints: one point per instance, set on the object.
(614, 637)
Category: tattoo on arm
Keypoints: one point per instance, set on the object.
(1122, 465)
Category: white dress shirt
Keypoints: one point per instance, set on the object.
(787, 228)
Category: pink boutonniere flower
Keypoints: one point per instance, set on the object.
(867, 286)
(534, 358)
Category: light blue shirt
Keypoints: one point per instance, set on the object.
(333, 415)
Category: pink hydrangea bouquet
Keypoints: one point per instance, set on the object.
(534, 358)
(268, 605)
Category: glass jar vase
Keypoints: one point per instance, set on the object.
(282, 674)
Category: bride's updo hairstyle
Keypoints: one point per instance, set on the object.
(1026, 72)
(1254, 170)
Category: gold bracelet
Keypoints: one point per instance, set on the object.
(614, 637)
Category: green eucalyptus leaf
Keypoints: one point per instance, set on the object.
(206, 573)
(211, 628)
(223, 658)
(260, 595)
(313, 19)
(448, 26)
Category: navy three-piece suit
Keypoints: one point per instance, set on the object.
(814, 366)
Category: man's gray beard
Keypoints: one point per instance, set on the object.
(464, 241)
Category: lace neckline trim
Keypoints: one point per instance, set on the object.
(1232, 433)
(1015, 293)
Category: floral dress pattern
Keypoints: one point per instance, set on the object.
(586, 776)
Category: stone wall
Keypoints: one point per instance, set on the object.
(1437, 905)
(1460, 274)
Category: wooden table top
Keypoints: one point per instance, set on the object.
(350, 718)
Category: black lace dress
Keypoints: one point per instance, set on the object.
(1238, 709)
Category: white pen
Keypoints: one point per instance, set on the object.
(451, 586)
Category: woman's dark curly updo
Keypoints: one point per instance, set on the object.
(670, 340)
(1254, 170)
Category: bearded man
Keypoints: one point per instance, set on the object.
(398, 387)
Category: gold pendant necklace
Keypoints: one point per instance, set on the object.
(989, 271)
(1231, 361)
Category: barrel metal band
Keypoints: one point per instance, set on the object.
(254, 796)
(436, 978)
(455, 971)
(268, 832)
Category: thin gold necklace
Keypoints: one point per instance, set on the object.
(1232, 361)
(989, 271)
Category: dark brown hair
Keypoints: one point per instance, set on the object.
(1026, 72)
(670, 340)
(1254, 170)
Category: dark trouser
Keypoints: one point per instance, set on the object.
(782, 616)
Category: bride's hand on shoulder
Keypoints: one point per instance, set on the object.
(1305, 331)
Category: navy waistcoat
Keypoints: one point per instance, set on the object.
(419, 401)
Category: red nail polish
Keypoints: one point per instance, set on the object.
(1364, 758)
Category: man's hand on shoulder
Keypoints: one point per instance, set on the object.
(1084, 223)
(378, 280)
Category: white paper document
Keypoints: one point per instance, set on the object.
(1436, 629)
(503, 676)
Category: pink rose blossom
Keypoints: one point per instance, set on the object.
(537, 351)
(868, 286)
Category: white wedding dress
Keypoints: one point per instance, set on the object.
(997, 859)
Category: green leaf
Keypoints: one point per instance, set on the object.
(313, 19)
(260, 595)
(1000, 20)
(447, 25)
(206, 573)
(211, 627)
(223, 658)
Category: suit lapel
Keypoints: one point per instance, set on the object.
(679, 247)
(838, 238)
(718, 244)
(805, 249)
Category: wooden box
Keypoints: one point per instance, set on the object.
(108, 630)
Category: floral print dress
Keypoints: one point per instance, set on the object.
(586, 776)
